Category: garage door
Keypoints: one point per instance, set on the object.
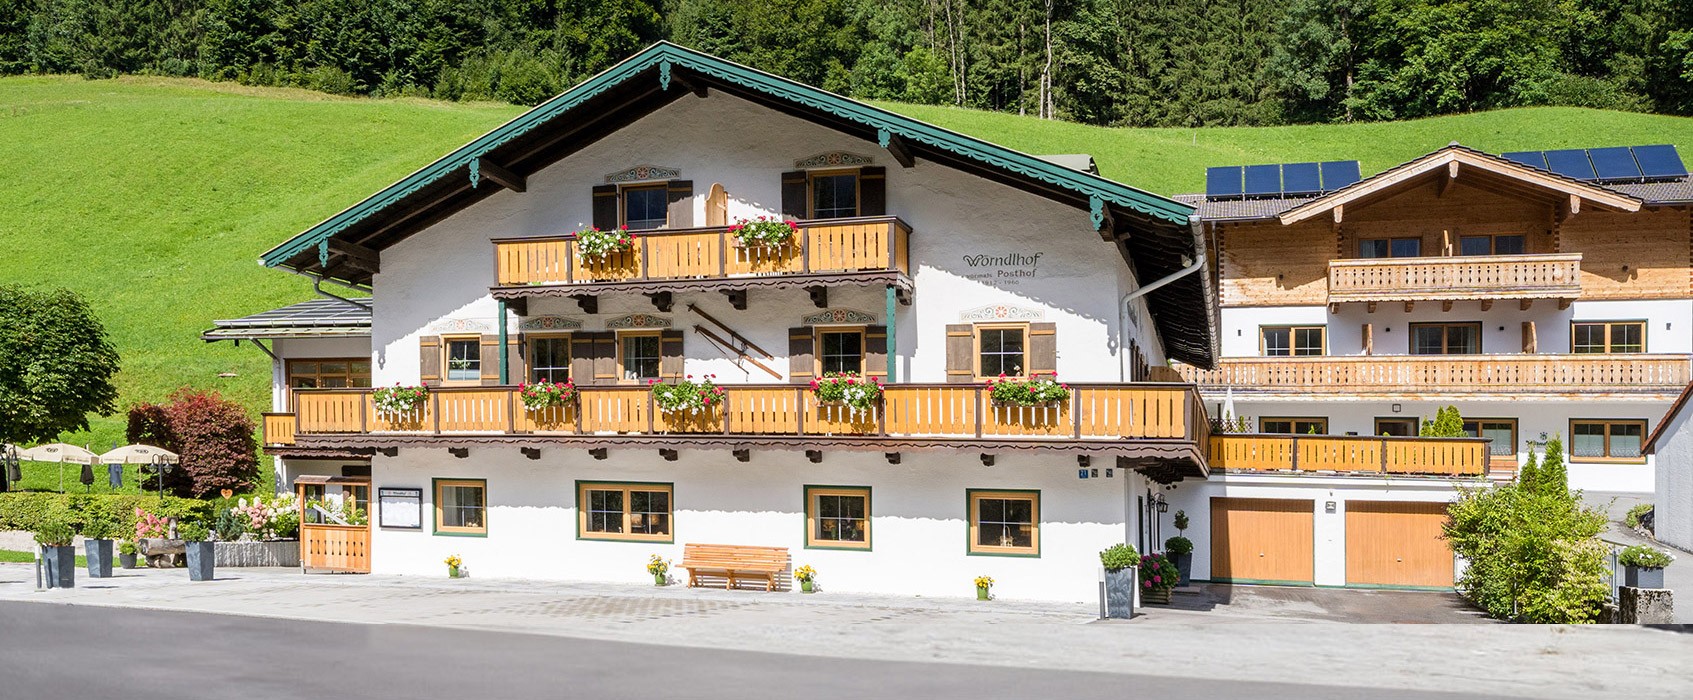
(1396, 544)
(1261, 540)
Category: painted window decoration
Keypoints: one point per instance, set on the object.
(1607, 440)
(638, 356)
(549, 358)
(842, 351)
(1005, 522)
(461, 506)
(1390, 248)
(837, 517)
(645, 207)
(1286, 341)
(1600, 337)
(464, 359)
(637, 512)
(1503, 432)
(1511, 244)
(1294, 426)
(1000, 350)
(1446, 338)
(834, 195)
(329, 374)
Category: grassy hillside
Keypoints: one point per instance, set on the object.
(153, 197)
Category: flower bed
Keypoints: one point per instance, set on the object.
(595, 245)
(1039, 391)
(763, 231)
(542, 395)
(847, 389)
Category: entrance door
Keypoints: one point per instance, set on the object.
(1397, 544)
(334, 537)
(1262, 540)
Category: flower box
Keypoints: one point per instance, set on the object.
(1038, 392)
(763, 232)
(594, 245)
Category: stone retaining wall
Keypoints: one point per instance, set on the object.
(283, 553)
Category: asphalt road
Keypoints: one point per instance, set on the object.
(52, 651)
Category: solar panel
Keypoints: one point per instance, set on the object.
(1533, 159)
(1263, 180)
(1571, 163)
(1340, 173)
(1223, 182)
(1301, 179)
(1659, 162)
(1614, 164)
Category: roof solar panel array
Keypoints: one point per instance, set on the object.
(1279, 180)
(1613, 165)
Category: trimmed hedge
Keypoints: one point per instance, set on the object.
(27, 511)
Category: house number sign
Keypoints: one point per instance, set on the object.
(401, 508)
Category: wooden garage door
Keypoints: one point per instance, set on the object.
(1261, 540)
(1396, 544)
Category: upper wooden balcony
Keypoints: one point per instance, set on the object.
(1346, 454)
(864, 250)
(1456, 278)
(1446, 376)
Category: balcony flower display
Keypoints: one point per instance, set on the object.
(687, 396)
(763, 231)
(1038, 391)
(397, 401)
(542, 395)
(847, 389)
(596, 245)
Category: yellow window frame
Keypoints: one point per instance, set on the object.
(975, 498)
(625, 487)
(440, 515)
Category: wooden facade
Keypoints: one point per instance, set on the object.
(1397, 456)
(1366, 376)
(1455, 277)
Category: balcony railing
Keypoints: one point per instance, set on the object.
(1408, 375)
(830, 246)
(1357, 455)
(1456, 278)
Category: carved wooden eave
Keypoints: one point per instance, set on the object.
(869, 278)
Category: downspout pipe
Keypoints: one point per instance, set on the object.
(317, 286)
(1123, 310)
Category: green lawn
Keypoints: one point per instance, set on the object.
(9, 556)
(153, 197)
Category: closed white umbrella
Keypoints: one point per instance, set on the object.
(59, 452)
(137, 454)
(1228, 409)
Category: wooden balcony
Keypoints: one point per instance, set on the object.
(1411, 377)
(1401, 456)
(1456, 278)
(1154, 421)
(866, 250)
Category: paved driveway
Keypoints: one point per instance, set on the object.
(1219, 603)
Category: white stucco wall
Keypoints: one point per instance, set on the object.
(1672, 504)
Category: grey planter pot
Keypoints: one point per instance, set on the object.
(98, 553)
(1120, 592)
(201, 558)
(126, 561)
(1184, 564)
(60, 566)
(283, 553)
(1638, 577)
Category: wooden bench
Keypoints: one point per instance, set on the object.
(733, 563)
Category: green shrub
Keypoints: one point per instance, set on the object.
(100, 525)
(1447, 423)
(1180, 521)
(54, 533)
(1118, 557)
(1643, 557)
(229, 526)
(27, 511)
(1633, 519)
(193, 531)
(1178, 545)
(128, 547)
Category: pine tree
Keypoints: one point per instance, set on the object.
(1554, 478)
(1528, 477)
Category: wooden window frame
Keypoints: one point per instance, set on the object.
(1516, 433)
(1390, 240)
(288, 372)
(624, 335)
(529, 367)
(456, 531)
(1445, 339)
(976, 348)
(1321, 421)
(1292, 333)
(1569, 451)
(582, 489)
(623, 203)
(972, 497)
(857, 190)
(811, 493)
(1416, 423)
(447, 359)
(817, 346)
(1492, 243)
(1644, 327)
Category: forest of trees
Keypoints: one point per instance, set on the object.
(1117, 62)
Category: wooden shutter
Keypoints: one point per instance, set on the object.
(516, 369)
(876, 351)
(960, 345)
(605, 207)
(605, 358)
(490, 354)
(670, 354)
(802, 355)
(429, 360)
(717, 206)
(582, 357)
(1043, 348)
(793, 195)
(872, 191)
(680, 196)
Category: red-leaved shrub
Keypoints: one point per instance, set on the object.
(213, 436)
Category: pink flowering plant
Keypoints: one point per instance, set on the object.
(687, 395)
(764, 231)
(148, 525)
(1035, 391)
(542, 395)
(397, 400)
(594, 244)
(847, 389)
(277, 520)
(1157, 572)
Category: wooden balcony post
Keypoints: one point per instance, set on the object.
(1293, 454)
(512, 401)
(435, 410)
(364, 415)
(799, 410)
(979, 415)
(805, 248)
(1384, 455)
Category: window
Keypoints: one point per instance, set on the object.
(1491, 245)
(646, 207)
(328, 374)
(1004, 522)
(1390, 248)
(842, 351)
(461, 507)
(1000, 350)
(1445, 339)
(635, 512)
(1396, 427)
(549, 358)
(464, 359)
(1593, 337)
(638, 356)
(1607, 440)
(1294, 426)
(837, 517)
(1503, 432)
(834, 195)
(1283, 341)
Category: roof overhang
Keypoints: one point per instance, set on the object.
(1651, 446)
(316, 318)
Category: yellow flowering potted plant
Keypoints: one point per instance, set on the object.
(453, 563)
(807, 577)
(659, 568)
(984, 586)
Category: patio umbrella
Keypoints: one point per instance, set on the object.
(134, 454)
(63, 454)
(1228, 409)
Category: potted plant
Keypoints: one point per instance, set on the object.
(201, 556)
(58, 557)
(1180, 551)
(849, 390)
(807, 577)
(1119, 561)
(97, 533)
(1643, 567)
(659, 568)
(1044, 391)
(126, 554)
(1158, 575)
(763, 231)
(595, 245)
(984, 587)
(397, 402)
(687, 395)
(542, 395)
(453, 563)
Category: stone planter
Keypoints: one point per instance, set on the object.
(126, 561)
(1120, 592)
(1157, 594)
(59, 563)
(1184, 564)
(202, 557)
(284, 553)
(1641, 577)
(98, 553)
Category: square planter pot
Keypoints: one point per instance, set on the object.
(126, 561)
(59, 564)
(201, 558)
(98, 553)
(1184, 564)
(1157, 594)
(1120, 592)
(1638, 577)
